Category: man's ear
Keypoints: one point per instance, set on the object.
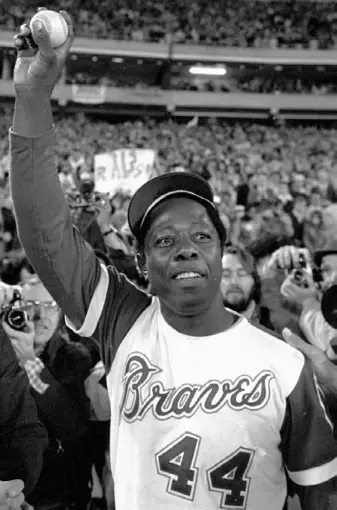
(141, 261)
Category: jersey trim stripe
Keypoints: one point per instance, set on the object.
(320, 396)
(316, 475)
(95, 308)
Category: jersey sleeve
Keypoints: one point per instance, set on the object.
(308, 444)
(65, 263)
(114, 307)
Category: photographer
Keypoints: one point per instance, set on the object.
(56, 369)
(300, 289)
(22, 437)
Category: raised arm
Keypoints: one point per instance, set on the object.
(65, 263)
(97, 302)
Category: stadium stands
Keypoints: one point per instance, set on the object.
(249, 23)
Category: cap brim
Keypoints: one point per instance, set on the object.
(171, 194)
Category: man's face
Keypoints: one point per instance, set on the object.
(329, 271)
(300, 204)
(275, 178)
(237, 284)
(46, 315)
(323, 176)
(226, 198)
(283, 188)
(316, 199)
(183, 256)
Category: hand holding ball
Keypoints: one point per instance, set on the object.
(54, 24)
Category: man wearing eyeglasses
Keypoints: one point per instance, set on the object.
(43, 316)
(57, 369)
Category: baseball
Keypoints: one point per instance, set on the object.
(55, 25)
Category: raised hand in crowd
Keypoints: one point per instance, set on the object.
(104, 217)
(37, 70)
(325, 370)
(297, 292)
(22, 341)
(12, 497)
(288, 257)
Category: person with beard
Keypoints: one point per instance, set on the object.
(241, 286)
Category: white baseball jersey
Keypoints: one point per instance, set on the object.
(197, 423)
(205, 422)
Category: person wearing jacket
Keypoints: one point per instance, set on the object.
(56, 369)
(23, 438)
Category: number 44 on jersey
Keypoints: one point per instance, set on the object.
(178, 461)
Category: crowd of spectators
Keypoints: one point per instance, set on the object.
(258, 85)
(271, 84)
(271, 170)
(250, 23)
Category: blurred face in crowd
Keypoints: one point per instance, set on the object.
(316, 219)
(268, 220)
(275, 179)
(237, 283)
(226, 199)
(278, 207)
(323, 176)
(195, 158)
(283, 189)
(211, 167)
(262, 181)
(329, 271)
(315, 199)
(298, 182)
(300, 204)
(183, 257)
(42, 310)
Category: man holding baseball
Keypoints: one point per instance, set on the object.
(207, 410)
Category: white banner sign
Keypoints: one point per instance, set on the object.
(123, 169)
(88, 94)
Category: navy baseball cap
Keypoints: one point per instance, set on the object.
(153, 192)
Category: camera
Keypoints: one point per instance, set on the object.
(85, 198)
(299, 276)
(13, 315)
(86, 189)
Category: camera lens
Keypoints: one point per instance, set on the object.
(87, 189)
(298, 275)
(16, 319)
(302, 261)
